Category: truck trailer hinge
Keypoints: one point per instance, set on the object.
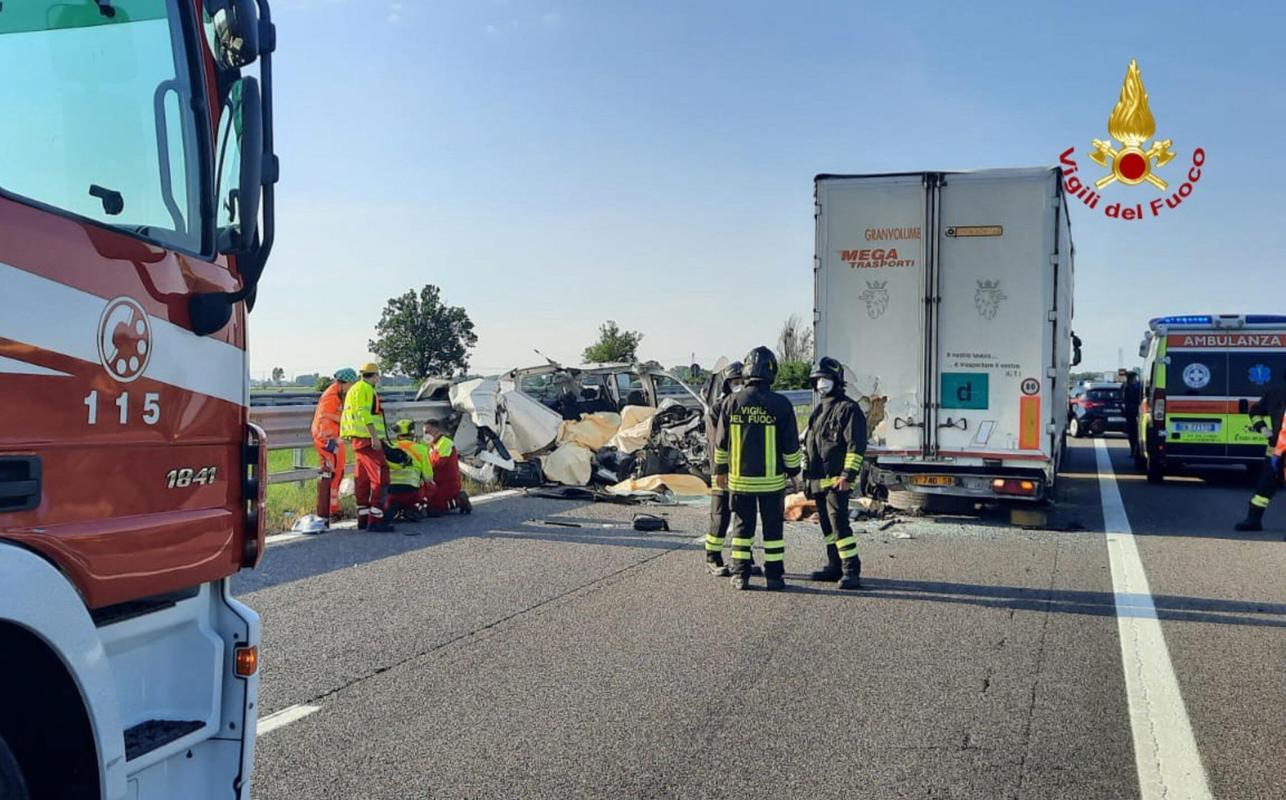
(1053, 315)
(1052, 372)
(1053, 259)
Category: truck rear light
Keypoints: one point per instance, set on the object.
(254, 493)
(1158, 408)
(247, 660)
(1014, 486)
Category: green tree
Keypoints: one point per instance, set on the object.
(322, 384)
(419, 335)
(613, 344)
(278, 374)
(792, 375)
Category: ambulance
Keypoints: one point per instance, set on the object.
(1201, 374)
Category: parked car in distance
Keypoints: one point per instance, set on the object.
(1095, 408)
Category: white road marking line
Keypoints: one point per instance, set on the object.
(1165, 751)
(278, 538)
(480, 500)
(282, 718)
(491, 497)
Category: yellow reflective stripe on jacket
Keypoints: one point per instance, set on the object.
(770, 450)
(794, 460)
(757, 485)
(419, 470)
(853, 461)
(720, 456)
(734, 457)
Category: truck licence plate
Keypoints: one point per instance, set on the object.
(1197, 427)
(933, 480)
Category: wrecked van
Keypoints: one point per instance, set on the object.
(594, 424)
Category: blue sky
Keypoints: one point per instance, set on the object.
(554, 164)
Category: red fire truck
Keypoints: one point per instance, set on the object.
(136, 216)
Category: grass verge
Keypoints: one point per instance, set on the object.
(290, 501)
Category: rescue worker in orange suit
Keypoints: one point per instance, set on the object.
(757, 449)
(362, 425)
(720, 387)
(1266, 419)
(448, 493)
(409, 484)
(834, 447)
(330, 448)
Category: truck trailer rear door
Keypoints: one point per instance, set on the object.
(869, 297)
(995, 288)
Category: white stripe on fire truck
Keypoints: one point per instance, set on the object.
(53, 316)
(13, 366)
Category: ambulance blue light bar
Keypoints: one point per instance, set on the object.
(1197, 319)
(1265, 319)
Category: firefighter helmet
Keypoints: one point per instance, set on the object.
(404, 427)
(730, 373)
(761, 365)
(827, 367)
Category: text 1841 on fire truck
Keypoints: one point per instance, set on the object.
(1201, 376)
(136, 216)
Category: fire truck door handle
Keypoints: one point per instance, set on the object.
(19, 483)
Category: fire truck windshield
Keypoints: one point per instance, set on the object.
(99, 120)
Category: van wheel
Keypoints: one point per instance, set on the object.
(1156, 470)
(12, 786)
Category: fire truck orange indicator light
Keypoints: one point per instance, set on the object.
(247, 659)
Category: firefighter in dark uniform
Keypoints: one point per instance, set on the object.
(722, 385)
(833, 451)
(1266, 418)
(756, 451)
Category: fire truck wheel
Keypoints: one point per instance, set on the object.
(12, 786)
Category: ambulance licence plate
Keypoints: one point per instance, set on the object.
(933, 480)
(1197, 427)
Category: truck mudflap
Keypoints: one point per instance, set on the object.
(1028, 484)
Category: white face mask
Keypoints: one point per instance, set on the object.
(824, 385)
(737, 387)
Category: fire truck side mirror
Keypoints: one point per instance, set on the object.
(235, 32)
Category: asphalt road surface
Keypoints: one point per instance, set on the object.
(500, 656)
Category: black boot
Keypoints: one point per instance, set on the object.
(755, 569)
(833, 570)
(1254, 520)
(852, 574)
(774, 576)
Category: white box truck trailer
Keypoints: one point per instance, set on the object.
(948, 296)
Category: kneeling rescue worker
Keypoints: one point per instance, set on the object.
(448, 492)
(1266, 418)
(409, 484)
(363, 426)
(834, 448)
(757, 448)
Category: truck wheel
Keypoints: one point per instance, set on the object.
(12, 786)
(1156, 470)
